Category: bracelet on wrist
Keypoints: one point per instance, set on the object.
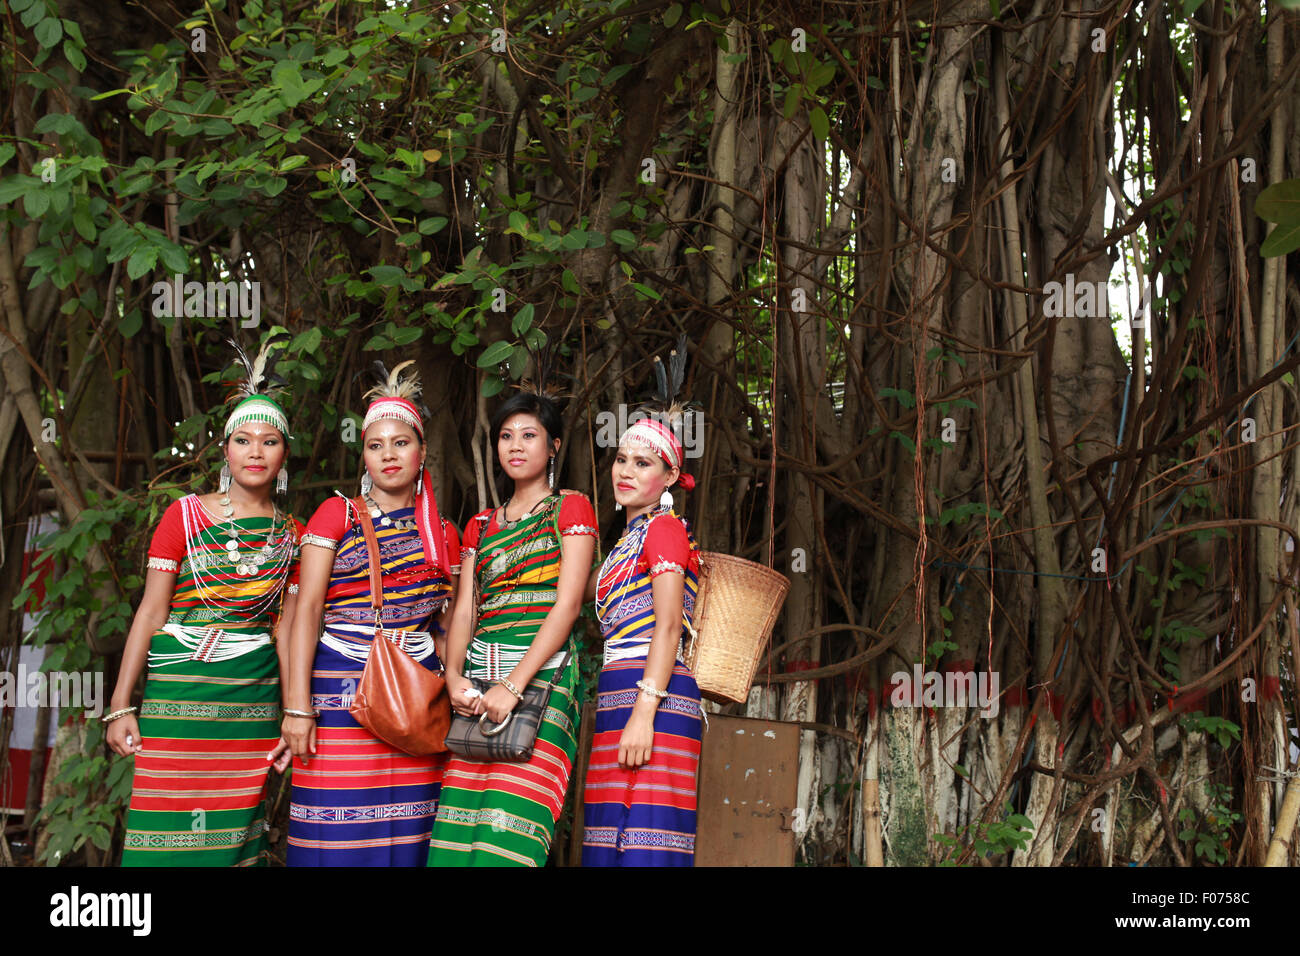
(109, 718)
(648, 688)
(309, 714)
(509, 685)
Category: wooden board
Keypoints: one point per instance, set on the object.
(749, 774)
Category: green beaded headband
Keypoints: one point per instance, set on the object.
(258, 408)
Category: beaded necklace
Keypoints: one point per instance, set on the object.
(275, 556)
(620, 564)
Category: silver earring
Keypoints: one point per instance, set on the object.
(666, 499)
(366, 483)
(550, 475)
(419, 484)
(223, 485)
(282, 480)
(618, 506)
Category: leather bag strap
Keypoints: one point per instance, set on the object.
(372, 556)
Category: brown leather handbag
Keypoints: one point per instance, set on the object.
(398, 700)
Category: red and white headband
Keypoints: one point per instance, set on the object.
(660, 439)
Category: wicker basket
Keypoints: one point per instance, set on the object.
(735, 609)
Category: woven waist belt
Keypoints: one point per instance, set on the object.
(623, 652)
(501, 659)
(419, 644)
(207, 644)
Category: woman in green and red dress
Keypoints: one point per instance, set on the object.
(222, 573)
(530, 559)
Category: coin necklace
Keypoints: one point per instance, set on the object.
(403, 524)
(250, 566)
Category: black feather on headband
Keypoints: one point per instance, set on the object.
(259, 373)
(669, 378)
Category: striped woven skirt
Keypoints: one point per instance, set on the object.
(358, 801)
(504, 814)
(644, 816)
(198, 795)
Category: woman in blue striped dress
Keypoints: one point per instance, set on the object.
(640, 798)
(357, 801)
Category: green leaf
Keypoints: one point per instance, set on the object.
(15, 186)
(387, 275)
(492, 386)
(84, 223)
(623, 238)
(523, 319)
(74, 55)
(645, 292)
(672, 14)
(495, 354)
(36, 202)
(1284, 239)
(1280, 202)
(287, 78)
(49, 32)
(907, 442)
(820, 124)
(142, 260)
(791, 104)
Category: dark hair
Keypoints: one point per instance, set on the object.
(526, 403)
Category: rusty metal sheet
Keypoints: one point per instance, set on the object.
(749, 774)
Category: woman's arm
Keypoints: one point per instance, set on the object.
(444, 619)
(575, 558)
(283, 630)
(458, 638)
(637, 742)
(576, 551)
(150, 616)
(315, 566)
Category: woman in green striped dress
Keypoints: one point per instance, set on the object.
(222, 572)
(530, 559)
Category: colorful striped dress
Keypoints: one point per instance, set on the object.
(211, 709)
(504, 814)
(359, 801)
(643, 816)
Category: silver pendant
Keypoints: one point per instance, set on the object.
(385, 521)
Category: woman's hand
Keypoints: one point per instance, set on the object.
(124, 736)
(467, 705)
(637, 742)
(281, 755)
(299, 733)
(497, 703)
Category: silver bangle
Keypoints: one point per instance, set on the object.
(109, 718)
(649, 688)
